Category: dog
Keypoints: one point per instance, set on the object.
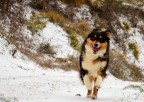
(94, 59)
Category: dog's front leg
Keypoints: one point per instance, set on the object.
(95, 90)
(88, 84)
(97, 85)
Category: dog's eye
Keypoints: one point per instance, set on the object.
(92, 39)
(101, 40)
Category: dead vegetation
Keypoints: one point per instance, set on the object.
(121, 69)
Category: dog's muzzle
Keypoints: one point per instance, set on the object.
(95, 48)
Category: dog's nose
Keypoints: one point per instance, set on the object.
(96, 45)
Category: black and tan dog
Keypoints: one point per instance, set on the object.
(94, 60)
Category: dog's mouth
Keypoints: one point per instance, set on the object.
(95, 49)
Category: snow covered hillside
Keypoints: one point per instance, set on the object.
(21, 80)
(57, 38)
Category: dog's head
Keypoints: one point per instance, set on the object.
(98, 40)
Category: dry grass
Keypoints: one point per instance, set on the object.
(56, 17)
(121, 69)
(36, 23)
(74, 2)
(82, 27)
(102, 24)
(97, 3)
(126, 26)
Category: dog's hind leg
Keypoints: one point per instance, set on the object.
(88, 84)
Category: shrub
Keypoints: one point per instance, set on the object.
(46, 48)
(133, 47)
(74, 42)
(126, 26)
(36, 23)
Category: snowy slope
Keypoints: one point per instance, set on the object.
(21, 80)
(134, 36)
(58, 38)
(54, 35)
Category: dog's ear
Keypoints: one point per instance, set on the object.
(108, 33)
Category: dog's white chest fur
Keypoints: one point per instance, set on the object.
(88, 64)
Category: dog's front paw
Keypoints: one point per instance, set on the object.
(89, 95)
(94, 97)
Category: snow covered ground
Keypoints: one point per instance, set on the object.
(21, 80)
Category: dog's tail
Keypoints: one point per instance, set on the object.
(81, 76)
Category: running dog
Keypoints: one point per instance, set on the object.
(94, 60)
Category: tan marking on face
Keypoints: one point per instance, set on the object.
(90, 42)
(103, 46)
(100, 37)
